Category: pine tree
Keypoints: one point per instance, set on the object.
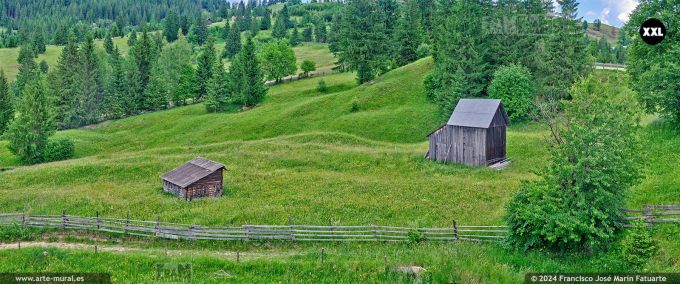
(408, 34)
(252, 86)
(115, 95)
(363, 41)
(132, 39)
(29, 132)
(563, 58)
(156, 93)
(27, 69)
(171, 26)
(90, 85)
(115, 31)
(205, 62)
(39, 44)
(143, 53)
(294, 39)
(266, 21)
(320, 32)
(254, 27)
(307, 34)
(216, 100)
(108, 44)
(44, 67)
(200, 30)
(280, 28)
(6, 103)
(232, 43)
(66, 86)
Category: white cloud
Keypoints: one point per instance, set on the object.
(604, 15)
(620, 8)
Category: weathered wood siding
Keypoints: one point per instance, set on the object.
(173, 188)
(458, 144)
(495, 144)
(209, 186)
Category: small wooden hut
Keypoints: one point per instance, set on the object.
(473, 136)
(197, 178)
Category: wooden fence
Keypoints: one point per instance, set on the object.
(158, 229)
(369, 233)
(656, 214)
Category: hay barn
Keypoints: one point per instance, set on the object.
(473, 136)
(197, 178)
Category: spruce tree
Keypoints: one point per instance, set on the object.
(187, 87)
(307, 34)
(232, 43)
(90, 84)
(200, 30)
(156, 93)
(320, 32)
(363, 41)
(266, 21)
(108, 44)
(408, 35)
(27, 69)
(29, 132)
(6, 103)
(171, 26)
(66, 89)
(114, 31)
(216, 100)
(253, 89)
(115, 95)
(294, 37)
(143, 54)
(205, 62)
(279, 30)
(132, 39)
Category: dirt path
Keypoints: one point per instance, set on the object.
(170, 252)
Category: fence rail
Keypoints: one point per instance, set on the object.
(302, 233)
(655, 214)
(315, 233)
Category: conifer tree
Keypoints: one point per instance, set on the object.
(187, 87)
(90, 84)
(408, 35)
(294, 39)
(266, 21)
(66, 89)
(363, 41)
(143, 53)
(205, 62)
(6, 103)
(29, 132)
(156, 93)
(232, 43)
(320, 32)
(108, 44)
(27, 68)
(307, 34)
(216, 100)
(279, 30)
(171, 26)
(172, 60)
(132, 39)
(115, 30)
(252, 86)
(115, 95)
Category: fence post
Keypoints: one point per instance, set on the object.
(127, 223)
(158, 226)
(455, 230)
(98, 220)
(323, 254)
(375, 234)
(23, 219)
(292, 229)
(238, 256)
(245, 231)
(63, 218)
(385, 262)
(647, 214)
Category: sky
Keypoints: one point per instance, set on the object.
(610, 12)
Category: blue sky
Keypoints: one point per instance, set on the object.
(611, 12)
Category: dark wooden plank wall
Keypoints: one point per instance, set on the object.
(209, 186)
(495, 144)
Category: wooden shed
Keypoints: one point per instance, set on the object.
(473, 136)
(197, 178)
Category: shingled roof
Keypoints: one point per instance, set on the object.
(192, 171)
(475, 113)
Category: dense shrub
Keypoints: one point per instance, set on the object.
(513, 85)
(354, 107)
(321, 86)
(423, 50)
(638, 245)
(576, 206)
(59, 149)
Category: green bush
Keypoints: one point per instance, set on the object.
(638, 245)
(321, 86)
(415, 237)
(595, 159)
(354, 107)
(13, 233)
(423, 50)
(513, 85)
(58, 149)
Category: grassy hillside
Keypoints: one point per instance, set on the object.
(611, 33)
